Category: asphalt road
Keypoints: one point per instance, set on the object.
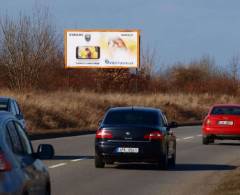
(198, 169)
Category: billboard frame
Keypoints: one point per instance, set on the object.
(101, 30)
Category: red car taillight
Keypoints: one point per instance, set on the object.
(154, 135)
(4, 164)
(208, 121)
(104, 134)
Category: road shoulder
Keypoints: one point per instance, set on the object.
(229, 184)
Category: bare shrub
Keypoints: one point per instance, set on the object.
(201, 76)
(28, 45)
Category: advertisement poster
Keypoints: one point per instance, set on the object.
(102, 48)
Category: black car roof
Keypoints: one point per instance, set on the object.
(134, 108)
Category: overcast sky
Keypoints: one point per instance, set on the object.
(180, 30)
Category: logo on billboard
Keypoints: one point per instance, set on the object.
(128, 133)
(88, 37)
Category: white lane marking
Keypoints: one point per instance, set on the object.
(88, 135)
(57, 165)
(79, 159)
(190, 137)
(75, 160)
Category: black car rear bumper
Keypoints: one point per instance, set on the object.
(148, 151)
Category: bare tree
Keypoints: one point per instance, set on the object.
(27, 46)
(148, 62)
(234, 67)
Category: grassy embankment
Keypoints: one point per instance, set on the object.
(82, 110)
(229, 184)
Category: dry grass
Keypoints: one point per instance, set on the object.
(83, 110)
(229, 184)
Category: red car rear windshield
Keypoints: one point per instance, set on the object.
(227, 110)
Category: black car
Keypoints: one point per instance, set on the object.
(135, 134)
(11, 105)
(21, 171)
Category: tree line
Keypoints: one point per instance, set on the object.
(31, 58)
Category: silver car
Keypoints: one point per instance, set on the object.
(21, 170)
(11, 105)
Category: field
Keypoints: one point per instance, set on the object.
(64, 110)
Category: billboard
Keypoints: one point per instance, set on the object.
(102, 48)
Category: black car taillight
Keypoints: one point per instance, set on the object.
(104, 134)
(4, 164)
(154, 135)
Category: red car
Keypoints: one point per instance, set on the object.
(222, 122)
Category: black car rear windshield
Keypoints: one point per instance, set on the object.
(233, 110)
(133, 117)
(3, 106)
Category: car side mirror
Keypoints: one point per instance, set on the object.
(19, 116)
(173, 124)
(45, 151)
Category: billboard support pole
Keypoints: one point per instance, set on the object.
(68, 78)
(138, 67)
(136, 84)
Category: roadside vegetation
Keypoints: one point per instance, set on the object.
(32, 71)
(31, 58)
(229, 184)
(83, 109)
